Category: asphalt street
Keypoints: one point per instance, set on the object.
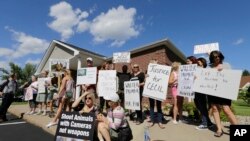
(17, 129)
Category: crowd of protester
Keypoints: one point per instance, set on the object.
(60, 89)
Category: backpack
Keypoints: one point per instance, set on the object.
(2, 86)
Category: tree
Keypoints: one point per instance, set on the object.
(23, 75)
(28, 71)
(245, 73)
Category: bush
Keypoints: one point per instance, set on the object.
(244, 94)
(192, 110)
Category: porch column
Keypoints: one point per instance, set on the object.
(79, 65)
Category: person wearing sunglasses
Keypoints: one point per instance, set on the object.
(216, 59)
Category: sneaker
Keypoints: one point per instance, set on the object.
(44, 113)
(175, 122)
(201, 127)
(31, 113)
(183, 121)
(51, 124)
(38, 113)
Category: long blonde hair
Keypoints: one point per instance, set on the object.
(175, 66)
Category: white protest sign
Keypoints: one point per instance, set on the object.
(186, 80)
(41, 85)
(86, 75)
(223, 83)
(131, 95)
(57, 65)
(121, 57)
(156, 85)
(107, 83)
(206, 48)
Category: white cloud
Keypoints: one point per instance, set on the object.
(93, 9)
(66, 19)
(31, 61)
(4, 64)
(4, 52)
(117, 25)
(83, 26)
(239, 41)
(25, 45)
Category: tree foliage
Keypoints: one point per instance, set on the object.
(245, 73)
(23, 74)
(244, 94)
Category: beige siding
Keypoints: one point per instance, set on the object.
(58, 53)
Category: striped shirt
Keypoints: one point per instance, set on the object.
(116, 118)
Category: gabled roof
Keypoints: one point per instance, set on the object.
(81, 49)
(244, 81)
(77, 51)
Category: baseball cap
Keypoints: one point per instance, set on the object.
(89, 59)
(113, 98)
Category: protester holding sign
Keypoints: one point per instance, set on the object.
(42, 95)
(216, 61)
(200, 101)
(66, 95)
(123, 76)
(173, 84)
(31, 94)
(89, 107)
(152, 103)
(138, 75)
(89, 87)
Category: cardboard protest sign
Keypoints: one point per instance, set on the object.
(86, 75)
(131, 95)
(223, 83)
(57, 65)
(121, 57)
(41, 85)
(186, 80)
(107, 84)
(73, 126)
(156, 85)
(206, 48)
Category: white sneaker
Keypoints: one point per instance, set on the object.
(44, 113)
(175, 122)
(38, 113)
(31, 113)
(51, 124)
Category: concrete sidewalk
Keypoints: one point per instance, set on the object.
(172, 132)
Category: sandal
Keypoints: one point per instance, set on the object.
(161, 126)
(138, 123)
(218, 134)
(151, 124)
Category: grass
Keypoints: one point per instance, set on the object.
(19, 103)
(241, 108)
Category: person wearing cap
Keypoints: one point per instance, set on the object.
(137, 75)
(9, 90)
(87, 87)
(115, 117)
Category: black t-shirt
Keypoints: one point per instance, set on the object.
(140, 77)
(122, 78)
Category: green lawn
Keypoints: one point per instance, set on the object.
(241, 108)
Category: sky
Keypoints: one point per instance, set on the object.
(28, 26)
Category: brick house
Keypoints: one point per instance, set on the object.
(164, 51)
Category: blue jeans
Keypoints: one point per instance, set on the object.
(159, 111)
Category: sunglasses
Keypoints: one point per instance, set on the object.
(136, 67)
(89, 98)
